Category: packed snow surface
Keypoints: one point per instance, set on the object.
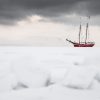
(49, 73)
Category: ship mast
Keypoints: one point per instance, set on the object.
(87, 26)
(80, 31)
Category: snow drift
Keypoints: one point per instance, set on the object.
(49, 73)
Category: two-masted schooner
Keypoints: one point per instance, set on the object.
(85, 43)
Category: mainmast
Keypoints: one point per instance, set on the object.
(87, 26)
(80, 33)
(86, 33)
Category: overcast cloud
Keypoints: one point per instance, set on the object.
(12, 11)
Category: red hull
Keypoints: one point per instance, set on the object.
(83, 45)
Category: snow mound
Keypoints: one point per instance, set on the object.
(92, 59)
(80, 77)
(57, 74)
(4, 67)
(98, 75)
(29, 74)
(7, 78)
(7, 83)
(95, 85)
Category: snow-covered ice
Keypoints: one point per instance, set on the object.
(49, 73)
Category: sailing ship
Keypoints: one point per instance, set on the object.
(85, 43)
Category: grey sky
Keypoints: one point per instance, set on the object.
(47, 22)
(12, 11)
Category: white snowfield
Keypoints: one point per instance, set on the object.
(49, 73)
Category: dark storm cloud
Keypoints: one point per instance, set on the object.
(14, 10)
